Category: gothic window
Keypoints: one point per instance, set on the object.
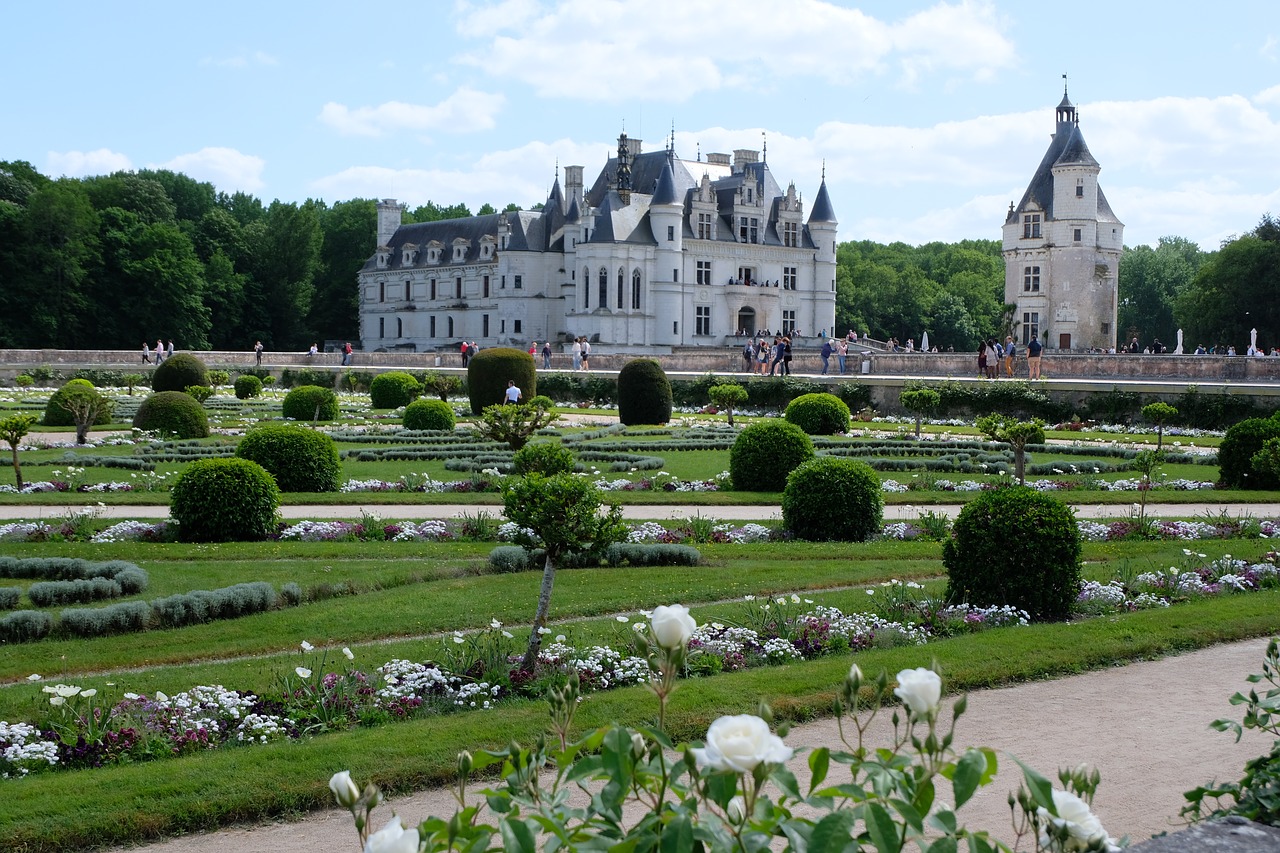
(1031, 279)
(602, 300)
(621, 282)
(702, 320)
(1031, 226)
(635, 290)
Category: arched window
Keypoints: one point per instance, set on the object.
(621, 278)
(604, 288)
(449, 325)
(586, 288)
(747, 320)
(399, 328)
(635, 290)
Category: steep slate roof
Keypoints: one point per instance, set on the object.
(470, 228)
(822, 210)
(1067, 146)
(623, 223)
(665, 192)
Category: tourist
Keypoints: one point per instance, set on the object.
(159, 350)
(1010, 353)
(513, 393)
(786, 355)
(586, 353)
(577, 353)
(346, 353)
(748, 357)
(1034, 349)
(169, 354)
(311, 353)
(546, 355)
(825, 354)
(993, 359)
(982, 358)
(146, 353)
(842, 350)
(257, 353)
(762, 356)
(533, 349)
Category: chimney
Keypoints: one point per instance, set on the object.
(718, 159)
(743, 156)
(573, 185)
(389, 213)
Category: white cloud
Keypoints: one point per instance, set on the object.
(1268, 96)
(225, 168)
(77, 164)
(1268, 49)
(464, 111)
(671, 49)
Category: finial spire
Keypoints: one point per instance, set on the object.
(824, 169)
(764, 137)
(1064, 85)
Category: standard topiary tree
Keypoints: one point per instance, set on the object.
(56, 414)
(1018, 547)
(644, 393)
(172, 413)
(515, 423)
(1159, 414)
(429, 414)
(727, 396)
(765, 453)
(83, 406)
(1235, 455)
(1017, 434)
(179, 372)
(393, 390)
(224, 500)
(12, 430)
(545, 458)
(442, 384)
(489, 370)
(301, 459)
(818, 414)
(311, 403)
(247, 386)
(920, 402)
(833, 499)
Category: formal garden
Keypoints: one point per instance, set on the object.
(161, 677)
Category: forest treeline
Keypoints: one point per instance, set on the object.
(112, 261)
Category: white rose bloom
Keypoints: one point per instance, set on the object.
(344, 790)
(920, 690)
(739, 743)
(672, 626)
(1083, 826)
(393, 838)
(303, 672)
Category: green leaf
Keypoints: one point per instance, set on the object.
(833, 834)
(968, 775)
(942, 845)
(819, 764)
(883, 829)
(786, 781)
(677, 836)
(517, 836)
(1041, 789)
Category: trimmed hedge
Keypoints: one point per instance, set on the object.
(833, 499)
(53, 593)
(1018, 547)
(311, 403)
(224, 500)
(172, 413)
(179, 373)
(765, 453)
(513, 558)
(489, 370)
(1235, 454)
(247, 386)
(124, 618)
(131, 578)
(199, 606)
(9, 596)
(301, 459)
(25, 626)
(429, 415)
(55, 415)
(819, 414)
(393, 390)
(644, 393)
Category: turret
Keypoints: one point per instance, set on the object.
(389, 215)
(823, 225)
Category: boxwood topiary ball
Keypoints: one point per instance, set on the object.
(172, 413)
(430, 415)
(1018, 547)
(819, 414)
(301, 459)
(765, 453)
(247, 386)
(224, 500)
(833, 499)
(179, 372)
(311, 403)
(1235, 454)
(393, 390)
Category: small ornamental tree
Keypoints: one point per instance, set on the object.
(561, 515)
(247, 385)
(311, 403)
(218, 378)
(920, 402)
(442, 384)
(131, 380)
(1239, 446)
(1015, 433)
(1266, 461)
(818, 414)
(55, 414)
(1159, 414)
(515, 423)
(86, 408)
(12, 430)
(727, 396)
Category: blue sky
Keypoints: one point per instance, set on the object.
(930, 117)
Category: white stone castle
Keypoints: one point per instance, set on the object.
(1062, 247)
(659, 252)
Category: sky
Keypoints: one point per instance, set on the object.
(928, 117)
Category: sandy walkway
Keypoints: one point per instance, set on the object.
(1145, 726)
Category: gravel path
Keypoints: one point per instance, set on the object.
(1145, 726)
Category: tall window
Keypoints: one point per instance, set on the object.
(1031, 226)
(702, 320)
(432, 326)
(485, 286)
(603, 300)
(382, 291)
(635, 290)
(433, 288)
(519, 282)
(399, 328)
(788, 322)
(671, 233)
(484, 325)
(1079, 187)
(382, 327)
(408, 290)
(705, 230)
(457, 285)
(1030, 326)
(1031, 279)
(789, 278)
(790, 234)
(747, 275)
(586, 289)
(622, 278)
(516, 325)
(748, 229)
(704, 272)
(1077, 235)
(449, 326)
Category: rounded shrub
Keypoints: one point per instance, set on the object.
(56, 415)
(247, 386)
(172, 413)
(1018, 547)
(429, 414)
(179, 372)
(224, 500)
(301, 459)
(765, 453)
(393, 390)
(818, 414)
(489, 370)
(1235, 455)
(644, 393)
(545, 458)
(833, 499)
(311, 403)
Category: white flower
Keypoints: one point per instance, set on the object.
(739, 743)
(344, 790)
(161, 697)
(560, 638)
(920, 690)
(494, 623)
(1083, 827)
(393, 838)
(459, 639)
(88, 694)
(306, 647)
(622, 619)
(855, 673)
(736, 811)
(544, 630)
(35, 676)
(303, 672)
(508, 635)
(672, 626)
(57, 700)
(348, 653)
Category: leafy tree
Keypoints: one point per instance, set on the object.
(191, 199)
(12, 430)
(18, 180)
(440, 384)
(727, 396)
(432, 212)
(486, 209)
(131, 192)
(85, 405)
(1151, 281)
(286, 256)
(61, 237)
(1159, 414)
(1017, 434)
(561, 515)
(349, 230)
(920, 402)
(1235, 290)
(514, 423)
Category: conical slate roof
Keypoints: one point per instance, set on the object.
(665, 191)
(822, 209)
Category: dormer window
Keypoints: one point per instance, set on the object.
(384, 257)
(460, 247)
(1031, 226)
(433, 251)
(487, 245)
(791, 234)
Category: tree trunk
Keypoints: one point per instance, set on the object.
(918, 419)
(730, 415)
(540, 618)
(82, 433)
(1020, 464)
(17, 468)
